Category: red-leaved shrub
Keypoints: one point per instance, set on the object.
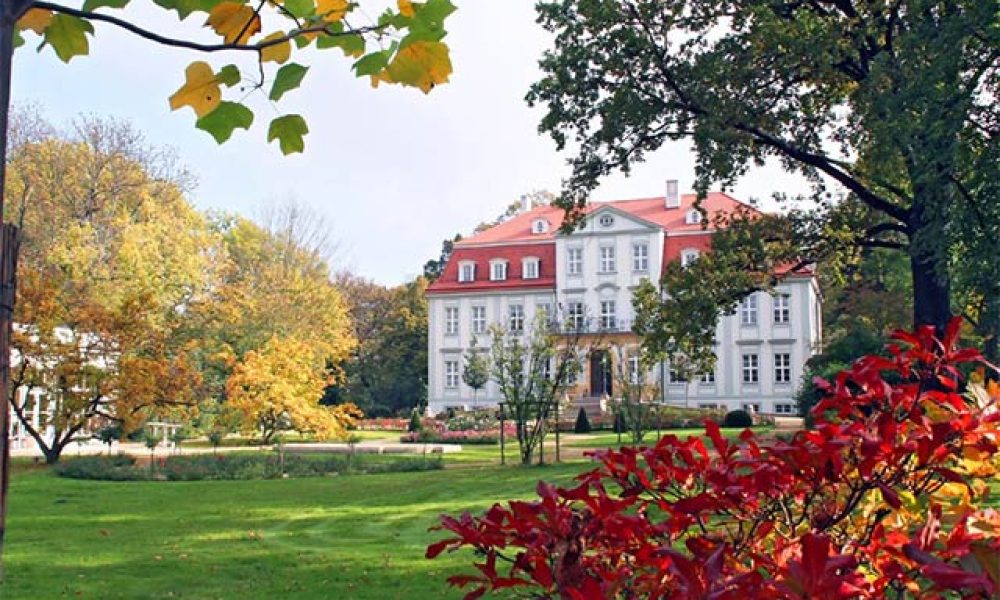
(881, 499)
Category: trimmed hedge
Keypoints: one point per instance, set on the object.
(738, 418)
(234, 466)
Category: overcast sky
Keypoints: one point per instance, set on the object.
(392, 171)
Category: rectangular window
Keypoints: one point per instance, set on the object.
(608, 320)
(574, 261)
(574, 315)
(748, 310)
(784, 409)
(782, 308)
(499, 272)
(451, 375)
(707, 377)
(531, 269)
(633, 370)
(751, 368)
(607, 259)
(516, 321)
(478, 319)
(751, 407)
(782, 368)
(467, 272)
(640, 257)
(451, 320)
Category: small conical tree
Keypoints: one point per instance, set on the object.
(414, 421)
(582, 422)
(620, 425)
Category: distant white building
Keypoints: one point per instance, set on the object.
(510, 272)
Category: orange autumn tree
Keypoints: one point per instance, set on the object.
(278, 387)
(112, 254)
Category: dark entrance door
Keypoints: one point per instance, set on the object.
(600, 374)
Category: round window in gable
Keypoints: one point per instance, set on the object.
(606, 221)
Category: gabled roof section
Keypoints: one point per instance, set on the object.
(649, 210)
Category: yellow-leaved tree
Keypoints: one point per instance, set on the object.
(275, 284)
(279, 386)
(112, 256)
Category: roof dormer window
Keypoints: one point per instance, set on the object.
(539, 226)
(530, 268)
(466, 271)
(498, 269)
(693, 217)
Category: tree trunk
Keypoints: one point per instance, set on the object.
(931, 294)
(928, 254)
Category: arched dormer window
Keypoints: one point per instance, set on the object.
(693, 217)
(466, 271)
(530, 268)
(539, 226)
(688, 256)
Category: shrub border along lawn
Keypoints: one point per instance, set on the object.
(235, 466)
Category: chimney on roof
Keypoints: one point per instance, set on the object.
(673, 197)
(525, 203)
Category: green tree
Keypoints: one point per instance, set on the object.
(476, 372)
(387, 372)
(890, 102)
(435, 266)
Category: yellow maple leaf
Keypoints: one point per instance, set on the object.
(332, 10)
(200, 90)
(36, 19)
(421, 64)
(405, 7)
(235, 22)
(278, 53)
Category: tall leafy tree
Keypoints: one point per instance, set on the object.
(113, 254)
(891, 102)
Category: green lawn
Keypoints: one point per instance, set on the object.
(345, 537)
(337, 537)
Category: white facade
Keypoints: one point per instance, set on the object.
(762, 349)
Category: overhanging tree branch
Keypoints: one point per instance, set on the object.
(179, 43)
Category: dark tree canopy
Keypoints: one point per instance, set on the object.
(893, 104)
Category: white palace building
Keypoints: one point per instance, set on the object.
(510, 272)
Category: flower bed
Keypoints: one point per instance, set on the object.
(451, 437)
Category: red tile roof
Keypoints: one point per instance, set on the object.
(514, 240)
(518, 229)
(448, 282)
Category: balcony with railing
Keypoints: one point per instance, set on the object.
(591, 325)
